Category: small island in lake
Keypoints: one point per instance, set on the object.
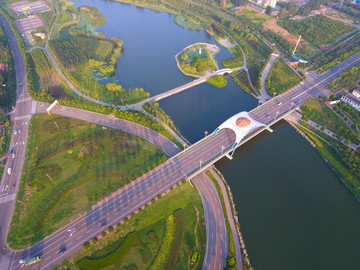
(197, 60)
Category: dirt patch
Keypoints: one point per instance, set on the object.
(336, 15)
(49, 80)
(273, 26)
(130, 143)
(226, 43)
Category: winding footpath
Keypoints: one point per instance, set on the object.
(9, 258)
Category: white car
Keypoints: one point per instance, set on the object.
(9, 171)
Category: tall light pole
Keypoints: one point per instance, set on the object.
(222, 149)
(274, 94)
(259, 103)
(342, 2)
(206, 133)
(200, 162)
(184, 145)
(291, 104)
(276, 115)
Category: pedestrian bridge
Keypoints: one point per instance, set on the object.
(188, 85)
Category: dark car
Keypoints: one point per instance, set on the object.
(61, 251)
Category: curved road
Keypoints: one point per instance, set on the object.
(99, 216)
(127, 200)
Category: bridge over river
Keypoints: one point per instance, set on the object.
(185, 165)
(182, 87)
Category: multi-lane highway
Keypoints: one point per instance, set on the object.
(10, 180)
(72, 236)
(121, 204)
(314, 86)
(127, 200)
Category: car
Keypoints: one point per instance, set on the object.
(9, 171)
(13, 155)
(268, 116)
(279, 102)
(302, 82)
(15, 132)
(14, 184)
(61, 251)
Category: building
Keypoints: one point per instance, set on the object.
(40, 35)
(265, 3)
(356, 93)
(352, 100)
(3, 67)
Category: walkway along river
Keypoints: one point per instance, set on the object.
(294, 212)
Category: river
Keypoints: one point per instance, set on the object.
(294, 212)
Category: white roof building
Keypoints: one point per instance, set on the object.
(352, 100)
(356, 92)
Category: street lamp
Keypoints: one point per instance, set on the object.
(200, 163)
(274, 94)
(276, 115)
(222, 149)
(259, 103)
(291, 104)
(184, 145)
(206, 132)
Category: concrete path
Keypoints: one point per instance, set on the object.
(296, 117)
(264, 96)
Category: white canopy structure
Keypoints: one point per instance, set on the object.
(243, 125)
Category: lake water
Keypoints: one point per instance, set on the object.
(294, 212)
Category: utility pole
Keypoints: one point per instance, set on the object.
(297, 43)
(342, 2)
(276, 115)
(291, 104)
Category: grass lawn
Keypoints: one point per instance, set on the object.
(70, 164)
(186, 23)
(172, 220)
(318, 30)
(104, 50)
(255, 17)
(319, 113)
(330, 156)
(217, 81)
(281, 78)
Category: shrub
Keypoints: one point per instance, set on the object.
(92, 263)
(94, 240)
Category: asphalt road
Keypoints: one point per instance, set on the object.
(127, 200)
(313, 86)
(217, 241)
(71, 237)
(168, 147)
(9, 181)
